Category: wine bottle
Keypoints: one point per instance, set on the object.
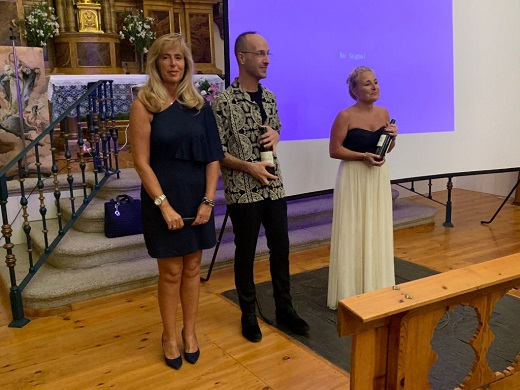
(384, 143)
(266, 153)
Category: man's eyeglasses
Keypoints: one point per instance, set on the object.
(260, 53)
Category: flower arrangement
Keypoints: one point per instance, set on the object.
(137, 29)
(39, 25)
(207, 90)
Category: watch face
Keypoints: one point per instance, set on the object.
(159, 200)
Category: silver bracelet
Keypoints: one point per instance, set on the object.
(208, 201)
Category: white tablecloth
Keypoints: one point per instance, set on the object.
(67, 80)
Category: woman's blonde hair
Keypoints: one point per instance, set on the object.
(153, 94)
(353, 78)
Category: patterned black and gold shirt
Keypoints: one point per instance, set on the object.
(238, 120)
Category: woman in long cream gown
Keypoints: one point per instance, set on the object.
(361, 254)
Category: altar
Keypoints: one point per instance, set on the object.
(63, 90)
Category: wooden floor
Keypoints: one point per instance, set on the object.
(114, 342)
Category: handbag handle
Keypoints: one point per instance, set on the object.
(120, 199)
(123, 199)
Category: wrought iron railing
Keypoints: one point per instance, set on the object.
(99, 129)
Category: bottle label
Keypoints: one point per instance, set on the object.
(267, 156)
(381, 140)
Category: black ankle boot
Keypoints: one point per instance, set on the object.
(250, 328)
(290, 319)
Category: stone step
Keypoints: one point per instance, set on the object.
(81, 249)
(84, 250)
(86, 264)
(54, 287)
(92, 218)
(407, 213)
(128, 183)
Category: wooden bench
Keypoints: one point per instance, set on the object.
(392, 328)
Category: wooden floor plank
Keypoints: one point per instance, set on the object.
(114, 342)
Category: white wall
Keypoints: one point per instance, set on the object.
(487, 97)
(487, 111)
(498, 184)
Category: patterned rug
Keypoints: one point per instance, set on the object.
(450, 341)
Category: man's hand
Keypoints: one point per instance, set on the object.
(259, 172)
(270, 138)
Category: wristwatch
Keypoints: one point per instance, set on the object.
(158, 201)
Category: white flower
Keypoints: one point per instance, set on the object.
(39, 25)
(137, 29)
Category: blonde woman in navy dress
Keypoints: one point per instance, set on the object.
(362, 247)
(175, 148)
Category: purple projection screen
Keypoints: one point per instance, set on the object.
(408, 43)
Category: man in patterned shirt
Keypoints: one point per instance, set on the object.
(254, 196)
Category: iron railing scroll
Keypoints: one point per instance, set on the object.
(102, 156)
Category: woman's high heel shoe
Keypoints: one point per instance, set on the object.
(173, 363)
(191, 357)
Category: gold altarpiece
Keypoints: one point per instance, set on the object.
(89, 42)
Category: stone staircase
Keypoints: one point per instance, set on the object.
(86, 264)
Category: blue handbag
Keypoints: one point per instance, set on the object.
(123, 217)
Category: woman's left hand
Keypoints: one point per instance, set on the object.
(203, 214)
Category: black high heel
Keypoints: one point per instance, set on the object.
(173, 363)
(191, 357)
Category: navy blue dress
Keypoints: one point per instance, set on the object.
(182, 142)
